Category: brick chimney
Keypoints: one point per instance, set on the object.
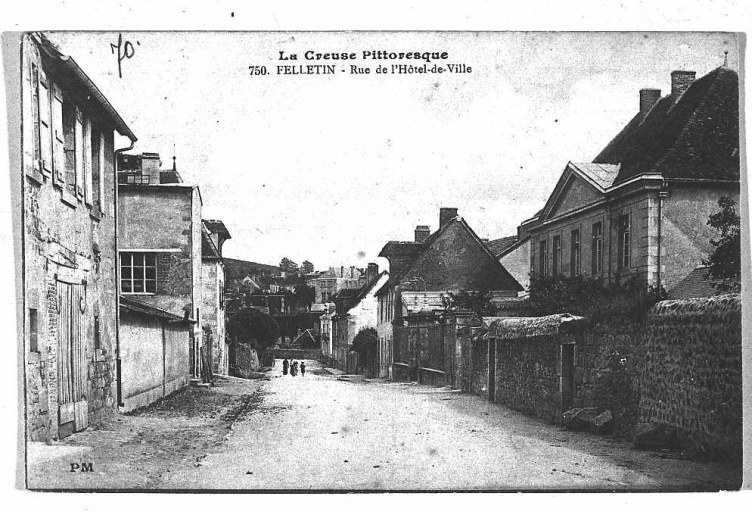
(445, 215)
(372, 272)
(680, 82)
(421, 233)
(648, 98)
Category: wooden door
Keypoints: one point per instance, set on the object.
(71, 362)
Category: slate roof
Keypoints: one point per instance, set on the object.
(694, 138)
(217, 226)
(413, 250)
(602, 175)
(694, 285)
(500, 245)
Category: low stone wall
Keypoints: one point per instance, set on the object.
(527, 376)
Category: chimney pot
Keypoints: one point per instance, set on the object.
(421, 233)
(680, 82)
(446, 214)
(648, 98)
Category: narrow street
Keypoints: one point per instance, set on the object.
(324, 432)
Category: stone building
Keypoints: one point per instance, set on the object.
(161, 237)
(213, 281)
(640, 209)
(452, 259)
(67, 235)
(329, 283)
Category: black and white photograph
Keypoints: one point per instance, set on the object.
(377, 261)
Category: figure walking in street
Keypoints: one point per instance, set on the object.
(302, 368)
(294, 368)
(285, 366)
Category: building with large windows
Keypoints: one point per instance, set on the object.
(161, 235)
(640, 209)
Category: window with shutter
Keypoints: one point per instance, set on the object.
(79, 153)
(69, 151)
(45, 128)
(58, 139)
(95, 173)
(31, 126)
(101, 173)
(88, 173)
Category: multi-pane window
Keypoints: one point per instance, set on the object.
(556, 250)
(625, 241)
(138, 272)
(574, 256)
(597, 248)
(543, 258)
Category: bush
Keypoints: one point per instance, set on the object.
(592, 298)
(366, 341)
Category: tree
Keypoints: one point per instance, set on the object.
(307, 267)
(366, 341)
(288, 266)
(724, 264)
(253, 327)
(304, 296)
(477, 302)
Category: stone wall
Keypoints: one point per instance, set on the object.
(527, 377)
(692, 373)
(68, 240)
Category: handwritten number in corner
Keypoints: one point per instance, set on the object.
(125, 50)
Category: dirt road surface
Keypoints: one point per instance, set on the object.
(322, 432)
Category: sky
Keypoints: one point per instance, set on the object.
(328, 168)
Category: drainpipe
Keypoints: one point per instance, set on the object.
(118, 366)
(663, 194)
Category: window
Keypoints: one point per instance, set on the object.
(543, 258)
(69, 142)
(574, 256)
(556, 250)
(221, 295)
(33, 331)
(138, 272)
(625, 239)
(35, 111)
(597, 248)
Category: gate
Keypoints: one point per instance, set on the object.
(73, 411)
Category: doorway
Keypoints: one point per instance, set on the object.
(73, 409)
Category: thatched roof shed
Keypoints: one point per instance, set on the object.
(528, 327)
(697, 307)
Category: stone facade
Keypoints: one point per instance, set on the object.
(213, 313)
(68, 244)
(165, 221)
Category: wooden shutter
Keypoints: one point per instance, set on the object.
(58, 139)
(79, 149)
(45, 128)
(101, 173)
(31, 124)
(87, 161)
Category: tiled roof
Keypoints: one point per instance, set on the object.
(694, 285)
(500, 245)
(696, 137)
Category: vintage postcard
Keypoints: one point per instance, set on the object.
(378, 261)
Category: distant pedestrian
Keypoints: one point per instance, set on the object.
(294, 368)
(285, 366)
(302, 368)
